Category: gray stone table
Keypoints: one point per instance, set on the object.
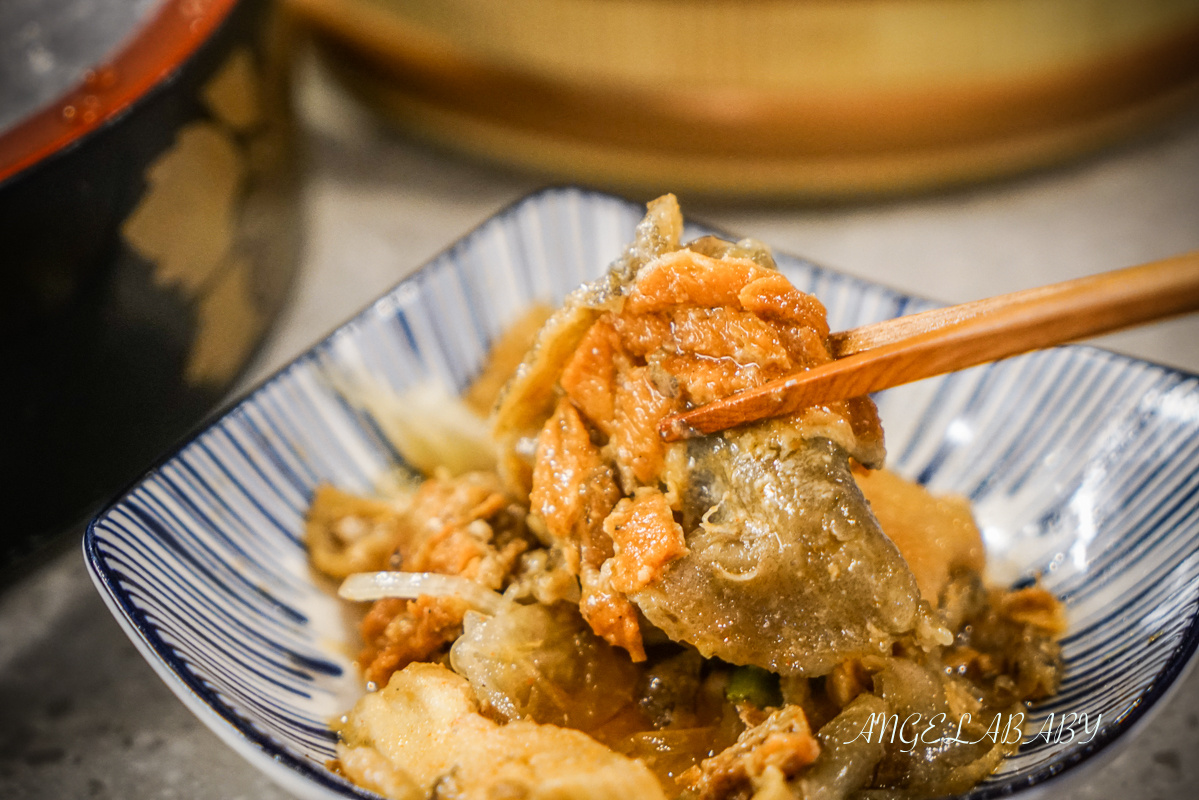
(81, 715)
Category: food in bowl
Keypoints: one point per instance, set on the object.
(760, 613)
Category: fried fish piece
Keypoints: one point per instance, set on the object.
(422, 735)
(754, 545)
(786, 567)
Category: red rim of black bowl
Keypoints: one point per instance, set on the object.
(156, 51)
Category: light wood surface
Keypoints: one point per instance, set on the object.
(905, 349)
(765, 98)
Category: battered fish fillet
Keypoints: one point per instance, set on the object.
(754, 545)
(423, 735)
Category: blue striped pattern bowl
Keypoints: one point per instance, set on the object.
(1082, 465)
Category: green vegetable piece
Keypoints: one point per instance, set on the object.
(754, 685)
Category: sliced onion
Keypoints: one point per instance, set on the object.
(428, 424)
(411, 585)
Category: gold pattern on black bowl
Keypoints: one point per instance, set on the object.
(150, 237)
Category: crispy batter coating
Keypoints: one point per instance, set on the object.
(1035, 607)
(346, 533)
(462, 526)
(782, 742)
(398, 632)
(506, 354)
(685, 327)
(424, 732)
(588, 378)
(647, 539)
(566, 470)
(610, 614)
(936, 534)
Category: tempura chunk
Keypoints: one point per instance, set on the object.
(346, 533)
(464, 526)
(936, 534)
(786, 568)
(756, 545)
(424, 731)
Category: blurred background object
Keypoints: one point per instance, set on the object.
(148, 232)
(767, 98)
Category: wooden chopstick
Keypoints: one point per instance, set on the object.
(905, 349)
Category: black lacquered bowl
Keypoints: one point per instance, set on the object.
(148, 231)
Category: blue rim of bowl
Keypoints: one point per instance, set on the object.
(1178, 661)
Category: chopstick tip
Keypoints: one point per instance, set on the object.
(675, 428)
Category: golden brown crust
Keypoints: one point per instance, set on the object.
(589, 376)
(773, 297)
(635, 444)
(504, 357)
(690, 328)
(1035, 607)
(463, 526)
(346, 533)
(693, 329)
(687, 278)
(399, 632)
(565, 461)
(574, 491)
(936, 534)
(647, 539)
(610, 614)
(450, 529)
(782, 742)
